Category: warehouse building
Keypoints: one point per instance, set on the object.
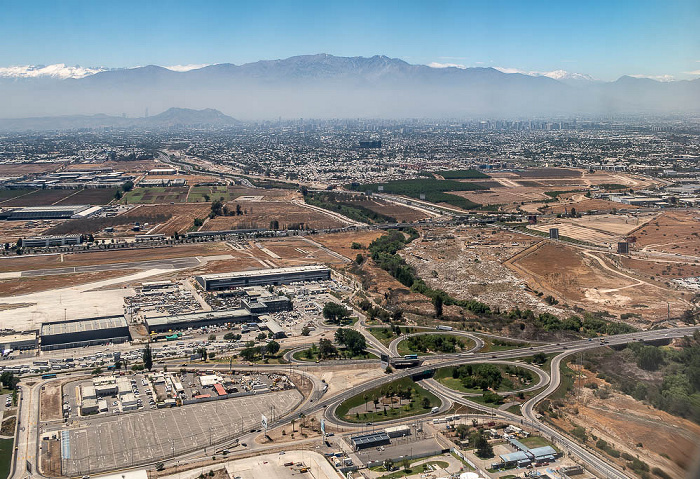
(84, 332)
(19, 341)
(275, 276)
(162, 324)
(46, 241)
(275, 328)
(50, 212)
(89, 406)
(267, 305)
(366, 441)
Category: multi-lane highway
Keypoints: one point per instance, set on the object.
(28, 432)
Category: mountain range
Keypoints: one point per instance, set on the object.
(171, 118)
(323, 86)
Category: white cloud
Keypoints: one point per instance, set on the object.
(661, 78)
(186, 68)
(58, 70)
(446, 65)
(694, 72)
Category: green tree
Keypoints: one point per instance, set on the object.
(539, 358)
(484, 450)
(305, 331)
(273, 348)
(649, 358)
(326, 348)
(148, 357)
(462, 431)
(437, 302)
(335, 312)
(353, 340)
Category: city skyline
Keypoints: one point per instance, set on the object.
(601, 40)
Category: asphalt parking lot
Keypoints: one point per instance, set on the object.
(406, 447)
(110, 442)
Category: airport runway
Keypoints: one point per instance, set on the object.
(173, 263)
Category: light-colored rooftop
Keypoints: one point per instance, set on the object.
(264, 272)
(184, 318)
(83, 325)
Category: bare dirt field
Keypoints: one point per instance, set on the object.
(181, 216)
(35, 284)
(342, 242)
(294, 250)
(38, 198)
(511, 195)
(661, 268)
(668, 442)
(135, 166)
(467, 264)
(672, 232)
(90, 196)
(529, 186)
(21, 169)
(587, 280)
(11, 231)
(259, 214)
(25, 263)
(601, 230)
(398, 212)
(584, 205)
(50, 400)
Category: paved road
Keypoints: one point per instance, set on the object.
(316, 402)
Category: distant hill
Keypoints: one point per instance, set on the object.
(322, 86)
(171, 118)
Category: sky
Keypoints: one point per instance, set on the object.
(604, 39)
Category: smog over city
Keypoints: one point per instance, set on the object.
(379, 240)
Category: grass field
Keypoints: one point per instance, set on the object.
(417, 395)
(435, 191)
(462, 174)
(444, 376)
(404, 347)
(491, 344)
(5, 456)
(301, 356)
(535, 441)
(156, 194)
(385, 335)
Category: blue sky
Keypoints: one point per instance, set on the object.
(605, 39)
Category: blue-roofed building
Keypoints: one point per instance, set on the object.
(543, 454)
(518, 445)
(525, 456)
(370, 440)
(517, 458)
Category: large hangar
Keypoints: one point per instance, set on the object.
(50, 212)
(275, 276)
(84, 332)
(162, 324)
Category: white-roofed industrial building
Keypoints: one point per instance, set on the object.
(274, 276)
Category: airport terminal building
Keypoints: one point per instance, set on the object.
(275, 276)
